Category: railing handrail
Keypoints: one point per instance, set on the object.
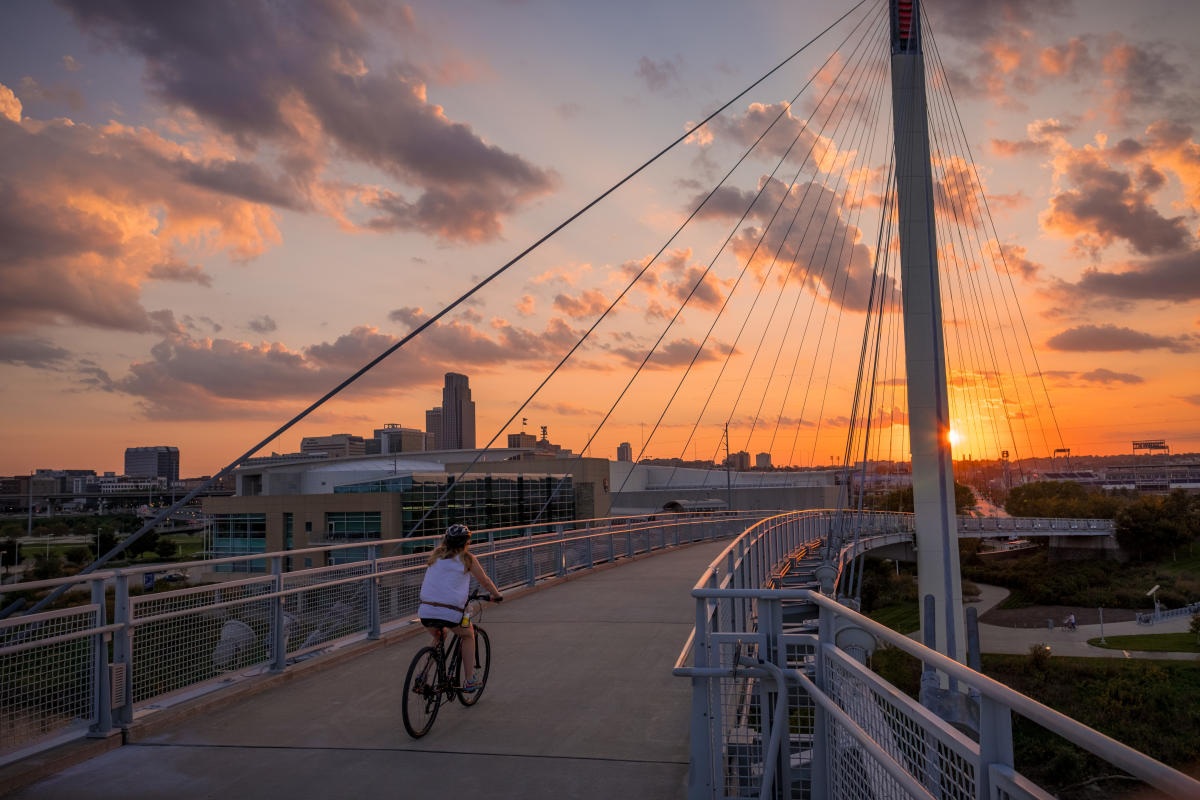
(174, 566)
(992, 693)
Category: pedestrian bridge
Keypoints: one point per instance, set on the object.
(287, 683)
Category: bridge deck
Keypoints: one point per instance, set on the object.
(580, 703)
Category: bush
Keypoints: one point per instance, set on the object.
(79, 555)
(165, 548)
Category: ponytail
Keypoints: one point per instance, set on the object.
(445, 551)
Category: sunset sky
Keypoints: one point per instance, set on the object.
(212, 212)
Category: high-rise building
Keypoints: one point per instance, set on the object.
(624, 452)
(433, 427)
(458, 414)
(762, 461)
(337, 445)
(395, 438)
(739, 461)
(152, 462)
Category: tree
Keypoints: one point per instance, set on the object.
(902, 499)
(11, 546)
(1062, 499)
(147, 543)
(108, 540)
(47, 567)
(1152, 527)
(165, 548)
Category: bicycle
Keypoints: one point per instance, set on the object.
(434, 676)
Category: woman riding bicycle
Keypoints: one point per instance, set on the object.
(444, 594)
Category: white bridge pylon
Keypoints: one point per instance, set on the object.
(928, 405)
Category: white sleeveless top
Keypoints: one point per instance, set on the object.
(446, 581)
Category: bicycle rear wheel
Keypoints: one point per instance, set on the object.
(422, 697)
(483, 664)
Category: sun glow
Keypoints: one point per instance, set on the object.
(955, 438)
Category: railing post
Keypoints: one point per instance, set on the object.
(560, 549)
(123, 648)
(995, 742)
(591, 558)
(278, 627)
(826, 626)
(101, 696)
(612, 548)
(628, 542)
(530, 563)
(373, 615)
(701, 767)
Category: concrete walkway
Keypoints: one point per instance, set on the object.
(580, 703)
(1000, 639)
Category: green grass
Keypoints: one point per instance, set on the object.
(1152, 642)
(901, 617)
(1148, 705)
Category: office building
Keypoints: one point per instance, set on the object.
(295, 505)
(152, 462)
(522, 439)
(393, 438)
(762, 461)
(739, 461)
(624, 452)
(433, 427)
(458, 414)
(338, 445)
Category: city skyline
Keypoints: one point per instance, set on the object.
(199, 266)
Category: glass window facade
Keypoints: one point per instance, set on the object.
(351, 526)
(478, 501)
(237, 535)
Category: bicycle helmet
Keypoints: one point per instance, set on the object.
(457, 535)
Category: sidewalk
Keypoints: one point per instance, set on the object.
(999, 639)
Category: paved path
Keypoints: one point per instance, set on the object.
(1000, 639)
(580, 703)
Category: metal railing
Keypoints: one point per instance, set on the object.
(1160, 614)
(780, 710)
(88, 668)
(1033, 526)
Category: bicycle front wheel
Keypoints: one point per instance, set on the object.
(422, 697)
(483, 664)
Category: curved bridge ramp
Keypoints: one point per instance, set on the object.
(580, 703)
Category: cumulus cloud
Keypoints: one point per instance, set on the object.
(187, 377)
(791, 135)
(1098, 204)
(1173, 278)
(589, 303)
(263, 324)
(32, 351)
(1106, 376)
(660, 76)
(1014, 257)
(1111, 338)
(297, 78)
(828, 255)
(88, 214)
(674, 354)
(180, 272)
(670, 281)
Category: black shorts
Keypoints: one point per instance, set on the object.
(440, 624)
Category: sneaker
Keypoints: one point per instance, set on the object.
(471, 685)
